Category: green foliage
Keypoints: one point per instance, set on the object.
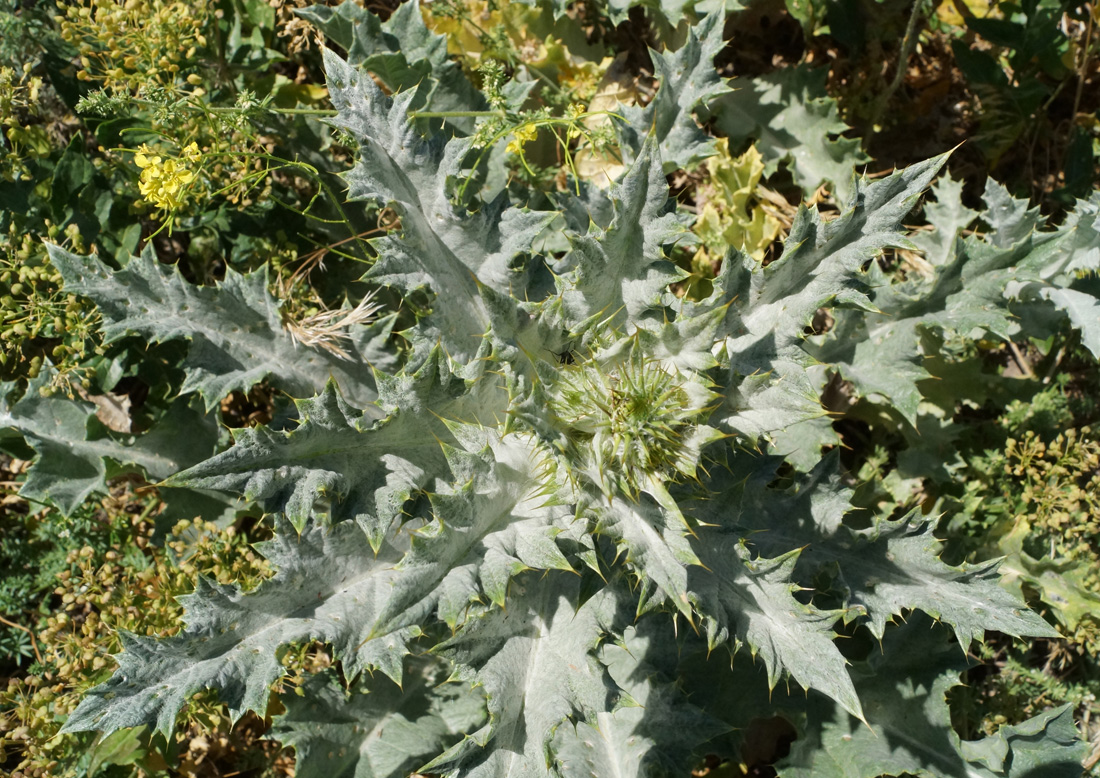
(795, 122)
(1035, 500)
(519, 459)
(1028, 55)
(621, 474)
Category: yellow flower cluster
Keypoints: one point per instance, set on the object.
(520, 136)
(163, 181)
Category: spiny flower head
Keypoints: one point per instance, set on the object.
(631, 419)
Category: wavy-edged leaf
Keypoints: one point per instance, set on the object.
(1048, 744)
(76, 452)
(795, 121)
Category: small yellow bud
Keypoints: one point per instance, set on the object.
(194, 79)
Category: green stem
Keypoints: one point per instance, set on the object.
(903, 60)
(414, 115)
(272, 109)
(305, 111)
(233, 109)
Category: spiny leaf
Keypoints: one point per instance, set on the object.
(752, 600)
(536, 661)
(76, 452)
(1011, 220)
(403, 53)
(908, 729)
(968, 290)
(234, 329)
(621, 275)
(364, 470)
(885, 570)
(655, 547)
(769, 308)
(895, 565)
(377, 729)
(689, 82)
(440, 246)
(500, 519)
(1083, 311)
(329, 587)
(948, 216)
(653, 731)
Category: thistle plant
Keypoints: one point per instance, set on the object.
(564, 520)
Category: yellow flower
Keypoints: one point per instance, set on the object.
(145, 157)
(520, 136)
(162, 181)
(191, 152)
